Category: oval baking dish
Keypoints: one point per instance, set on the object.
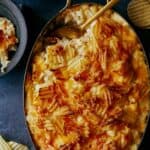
(104, 113)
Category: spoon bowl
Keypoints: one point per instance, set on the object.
(72, 31)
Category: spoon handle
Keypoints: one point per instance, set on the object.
(109, 5)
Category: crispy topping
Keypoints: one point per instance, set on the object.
(90, 93)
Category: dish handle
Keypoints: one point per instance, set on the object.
(68, 3)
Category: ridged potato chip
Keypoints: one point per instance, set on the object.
(17, 146)
(3, 144)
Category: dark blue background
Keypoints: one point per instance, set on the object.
(37, 13)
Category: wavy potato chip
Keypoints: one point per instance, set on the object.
(3, 144)
(17, 146)
(11, 145)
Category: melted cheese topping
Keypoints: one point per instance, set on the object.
(90, 93)
(8, 41)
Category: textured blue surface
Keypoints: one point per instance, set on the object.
(37, 13)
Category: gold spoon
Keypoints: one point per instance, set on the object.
(71, 32)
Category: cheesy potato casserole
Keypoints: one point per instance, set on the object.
(8, 41)
(92, 92)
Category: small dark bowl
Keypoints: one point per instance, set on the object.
(9, 10)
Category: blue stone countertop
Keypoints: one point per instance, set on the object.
(37, 13)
